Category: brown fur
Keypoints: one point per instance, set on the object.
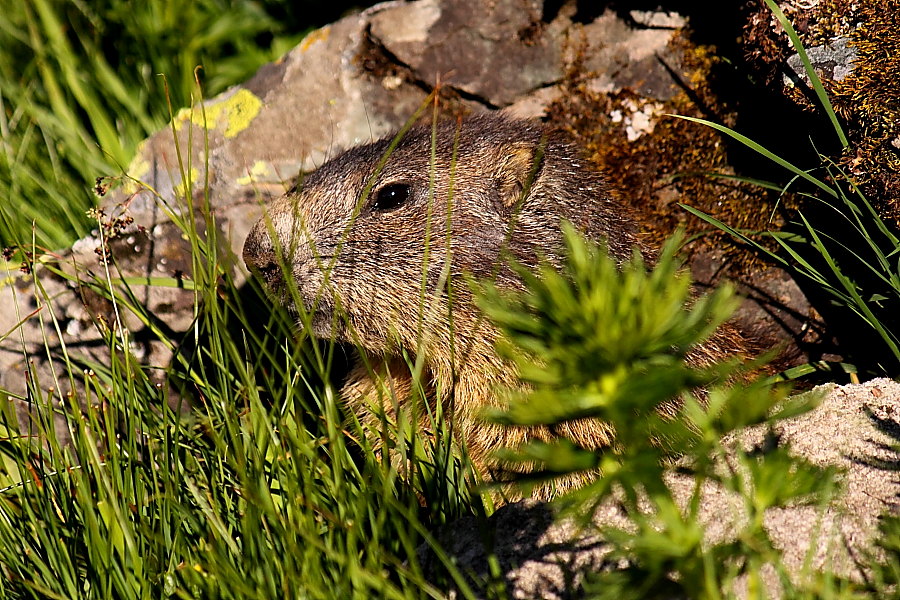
(508, 183)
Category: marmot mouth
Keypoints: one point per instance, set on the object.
(320, 323)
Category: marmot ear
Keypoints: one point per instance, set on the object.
(520, 163)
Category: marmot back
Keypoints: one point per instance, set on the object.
(377, 239)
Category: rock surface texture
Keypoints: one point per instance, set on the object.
(853, 428)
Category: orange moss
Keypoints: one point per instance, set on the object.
(670, 164)
(867, 100)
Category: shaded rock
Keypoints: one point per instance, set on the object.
(831, 61)
(791, 326)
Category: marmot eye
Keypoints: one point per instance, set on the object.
(391, 196)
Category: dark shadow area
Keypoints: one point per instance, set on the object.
(890, 427)
(769, 118)
(302, 14)
(755, 98)
(513, 536)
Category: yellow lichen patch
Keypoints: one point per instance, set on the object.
(319, 35)
(180, 189)
(259, 170)
(139, 165)
(235, 113)
(181, 117)
(238, 110)
(137, 168)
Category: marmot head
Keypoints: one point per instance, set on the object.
(371, 238)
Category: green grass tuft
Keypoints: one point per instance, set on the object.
(838, 247)
(83, 83)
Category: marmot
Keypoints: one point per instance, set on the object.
(371, 237)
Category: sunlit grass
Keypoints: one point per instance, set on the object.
(82, 83)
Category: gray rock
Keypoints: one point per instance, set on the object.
(774, 313)
(495, 52)
(832, 61)
(622, 55)
(853, 428)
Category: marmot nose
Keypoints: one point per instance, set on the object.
(257, 247)
(259, 253)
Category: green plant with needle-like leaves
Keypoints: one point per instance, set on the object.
(614, 342)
